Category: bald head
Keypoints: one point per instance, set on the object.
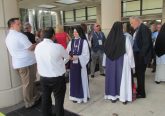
(97, 27)
(135, 22)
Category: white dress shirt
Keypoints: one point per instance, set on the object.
(18, 44)
(50, 58)
(160, 60)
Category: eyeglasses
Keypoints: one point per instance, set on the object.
(97, 25)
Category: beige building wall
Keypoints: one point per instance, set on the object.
(163, 12)
(110, 12)
(58, 18)
(10, 85)
(98, 14)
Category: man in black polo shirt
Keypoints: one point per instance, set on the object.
(27, 32)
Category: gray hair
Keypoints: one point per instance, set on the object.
(26, 25)
(125, 27)
(135, 18)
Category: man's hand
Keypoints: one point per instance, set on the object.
(75, 57)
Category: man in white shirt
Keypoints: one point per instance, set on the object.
(23, 60)
(51, 67)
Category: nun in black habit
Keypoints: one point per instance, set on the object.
(119, 61)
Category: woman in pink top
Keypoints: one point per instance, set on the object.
(61, 36)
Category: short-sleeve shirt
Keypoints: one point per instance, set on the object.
(18, 44)
(50, 58)
(61, 39)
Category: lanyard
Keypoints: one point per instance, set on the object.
(98, 34)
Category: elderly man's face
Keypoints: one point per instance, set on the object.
(158, 27)
(134, 23)
(28, 28)
(97, 27)
(153, 27)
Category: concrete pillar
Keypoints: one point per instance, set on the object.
(98, 13)
(163, 12)
(110, 12)
(10, 85)
(58, 18)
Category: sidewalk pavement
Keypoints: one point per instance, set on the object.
(152, 105)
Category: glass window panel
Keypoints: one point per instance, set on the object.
(80, 19)
(47, 20)
(92, 11)
(149, 4)
(131, 6)
(80, 13)
(69, 17)
(69, 14)
(91, 17)
(155, 11)
(69, 20)
(131, 13)
(54, 20)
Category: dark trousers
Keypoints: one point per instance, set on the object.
(140, 68)
(154, 64)
(57, 85)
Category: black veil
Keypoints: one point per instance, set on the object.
(114, 46)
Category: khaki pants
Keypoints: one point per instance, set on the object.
(28, 77)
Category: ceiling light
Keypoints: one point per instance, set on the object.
(158, 20)
(40, 11)
(45, 11)
(46, 6)
(67, 1)
(52, 13)
(33, 12)
(145, 22)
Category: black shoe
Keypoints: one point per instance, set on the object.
(149, 65)
(125, 102)
(74, 101)
(102, 74)
(153, 71)
(157, 82)
(134, 75)
(140, 96)
(113, 101)
(92, 76)
(38, 101)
